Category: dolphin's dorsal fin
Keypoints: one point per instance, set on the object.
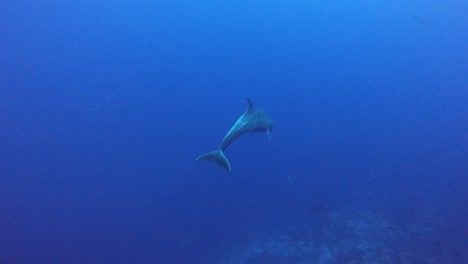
(249, 101)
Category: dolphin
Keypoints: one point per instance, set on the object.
(253, 120)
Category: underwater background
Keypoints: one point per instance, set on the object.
(104, 106)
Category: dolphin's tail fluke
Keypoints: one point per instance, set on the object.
(217, 157)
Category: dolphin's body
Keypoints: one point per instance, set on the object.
(253, 120)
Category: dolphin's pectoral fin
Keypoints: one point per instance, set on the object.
(217, 157)
(269, 135)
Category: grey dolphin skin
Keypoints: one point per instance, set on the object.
(253, 120)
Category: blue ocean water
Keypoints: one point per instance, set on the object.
(105, 105)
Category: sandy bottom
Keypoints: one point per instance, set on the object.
(349, 236)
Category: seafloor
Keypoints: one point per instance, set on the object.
(350, 236)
